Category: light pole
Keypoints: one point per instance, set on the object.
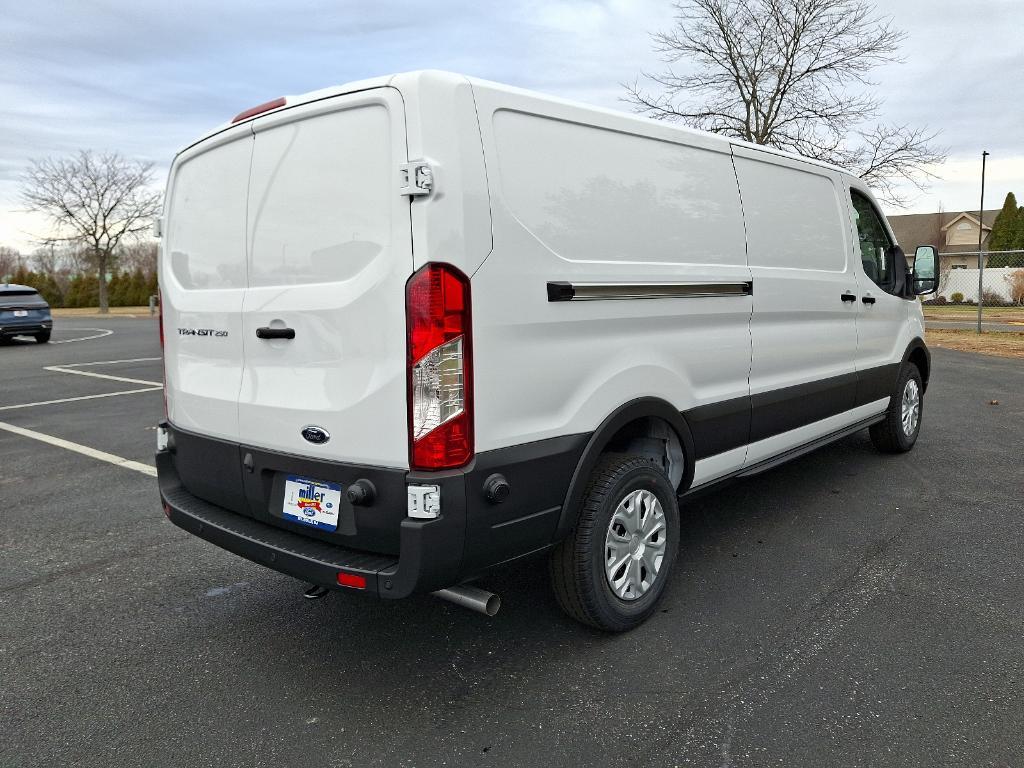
(981, 233)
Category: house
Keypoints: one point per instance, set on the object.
(952, 233)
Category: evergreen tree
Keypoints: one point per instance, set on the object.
(1007, 233)
(1003, 228)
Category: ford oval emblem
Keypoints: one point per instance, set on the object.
(315, 435)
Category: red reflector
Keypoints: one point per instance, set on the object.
(351, 580)
(167, 510)
(259, 109)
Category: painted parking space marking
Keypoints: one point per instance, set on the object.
(76, 399)
(73, 370)
(85, 450)
(101, 333)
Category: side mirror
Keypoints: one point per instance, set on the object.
(926, 270)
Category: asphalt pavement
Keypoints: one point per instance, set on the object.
(847, 609)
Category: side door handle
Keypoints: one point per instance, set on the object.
(868, 299)
(849, 297)
(275, 333)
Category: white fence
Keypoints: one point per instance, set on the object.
(965, 282)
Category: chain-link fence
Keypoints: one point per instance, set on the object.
(1002, 279)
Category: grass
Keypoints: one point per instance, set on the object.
(95, 311)
(967, 312)
(999, 343)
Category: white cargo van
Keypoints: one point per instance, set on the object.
(418, 326)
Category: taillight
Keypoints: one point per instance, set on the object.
(259, 109)
(437, 307)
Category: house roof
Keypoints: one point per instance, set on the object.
(914, 229)
(966, 215)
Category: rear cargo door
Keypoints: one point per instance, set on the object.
(203, 282)
(329, 253)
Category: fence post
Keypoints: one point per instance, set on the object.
(152, 305)
(981, 232)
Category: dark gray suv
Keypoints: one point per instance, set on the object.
(23, 312)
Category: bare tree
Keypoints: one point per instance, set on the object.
(791, 74)
(10, 259)
(96, 200)
(140, 255)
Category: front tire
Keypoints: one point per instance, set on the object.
(898, 431)
(612, 570)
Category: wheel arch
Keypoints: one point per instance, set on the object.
(618, 423)
(918, 354)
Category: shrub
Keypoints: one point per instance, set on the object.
(957, 298)
(993, 299)
(1017, 285)
(938, 300)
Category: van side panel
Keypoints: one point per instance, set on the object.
(578, 196)
(804, 333)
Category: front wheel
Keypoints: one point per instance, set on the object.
(611, 571)
(898, 431)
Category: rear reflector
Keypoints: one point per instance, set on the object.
(351, 580)
(259, 109)
(440, 368)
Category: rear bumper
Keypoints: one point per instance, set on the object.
(318, 562)
(11, 328)
(470, 535)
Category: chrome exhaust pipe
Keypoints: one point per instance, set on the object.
(475, 599)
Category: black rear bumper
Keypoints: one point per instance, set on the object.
(25, 329)
(409, 555)
(315, 561)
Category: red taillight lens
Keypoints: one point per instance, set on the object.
(353, 580)
(437, 306)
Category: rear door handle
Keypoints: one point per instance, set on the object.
(868, 299)
(275, 333)
(849, 297)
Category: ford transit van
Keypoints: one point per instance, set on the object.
(418, 326)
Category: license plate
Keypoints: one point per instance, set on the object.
(21, 313)
(311, 502)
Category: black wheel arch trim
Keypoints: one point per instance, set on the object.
(644, 407)
(917, 343)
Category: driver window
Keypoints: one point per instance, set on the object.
(875, 245)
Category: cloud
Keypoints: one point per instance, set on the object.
(145, 78)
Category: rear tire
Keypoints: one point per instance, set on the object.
(898, 431)
(42, 338)
(626, 535)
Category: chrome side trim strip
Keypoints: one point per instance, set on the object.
(561, 291)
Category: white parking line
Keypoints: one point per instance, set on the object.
(74, 399)
(111, 362)
(68, 369)
(85, 450)
(102, 332)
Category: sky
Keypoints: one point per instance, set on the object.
(146, 78)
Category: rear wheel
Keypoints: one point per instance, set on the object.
(898, 431)
(43, 337)
(613, 568)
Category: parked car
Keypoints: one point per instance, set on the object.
(23, 312)
(418, 326)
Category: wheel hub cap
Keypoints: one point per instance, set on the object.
(910, 412)
(635, 545)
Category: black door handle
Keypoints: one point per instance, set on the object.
(849, 297)
(868, 299)
(275, 333)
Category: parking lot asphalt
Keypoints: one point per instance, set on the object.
(847, 609)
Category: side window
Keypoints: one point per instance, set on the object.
(874, 242)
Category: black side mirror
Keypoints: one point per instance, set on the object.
(926, 270)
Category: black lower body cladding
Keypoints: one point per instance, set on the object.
(231, 495)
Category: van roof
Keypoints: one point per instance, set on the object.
(410, 80)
